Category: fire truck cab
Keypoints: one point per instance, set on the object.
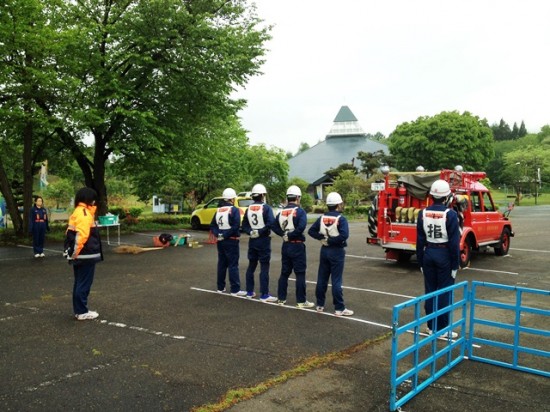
(401, 196)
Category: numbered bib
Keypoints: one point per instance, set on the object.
(329, 226)
(286, 219)
(255, 214)
(222, 217)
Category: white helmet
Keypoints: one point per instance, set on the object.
(440, 188)
(229, 193)
(259, 189)
(294, 191)
(420, 168)
(334, 198)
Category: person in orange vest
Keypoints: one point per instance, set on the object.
(38, 226)
(83, 250)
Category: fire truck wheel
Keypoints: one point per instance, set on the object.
(465, 254)
(504, 244)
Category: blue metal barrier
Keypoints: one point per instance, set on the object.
(418, 360)
(427, 360)
(518, 331)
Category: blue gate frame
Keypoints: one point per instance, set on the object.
(441, 358)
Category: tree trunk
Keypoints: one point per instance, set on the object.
(10, 200)
(27, 174)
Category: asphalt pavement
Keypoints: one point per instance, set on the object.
(165, 340)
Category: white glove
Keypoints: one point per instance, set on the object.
(324, 241)
(453, 273)
(285, 237)
(254, 234)
(421, 270)
(220, 237)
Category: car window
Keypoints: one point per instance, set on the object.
(487, 203)
(476, 202)
(213, 204)
(245, 202)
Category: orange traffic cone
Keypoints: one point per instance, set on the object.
(212, 240)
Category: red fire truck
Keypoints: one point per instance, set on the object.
(401, 196)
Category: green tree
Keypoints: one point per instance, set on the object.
(523, 165)
(267, 166)
(442, 141)
(306, 201)
(138, 77)
(336, 171)
(515, 131)
(303, 147)
(522, 129)
(27, 74)
(501, 131)
(371, 162)
(352, 187)
(203, 166)
(61, 191)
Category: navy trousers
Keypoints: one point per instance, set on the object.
(38, 237)
(259, 250)
(228, 261)
(83, 279)
(331, 266)
(293, 259)
(437, 275)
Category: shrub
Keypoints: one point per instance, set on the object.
(117, 211)
(135, 212)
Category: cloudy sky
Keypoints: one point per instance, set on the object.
(392, 61)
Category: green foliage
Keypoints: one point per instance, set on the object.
(135, 211)
(371, 162)
(118, 211)
(442, 141)
(61, 191)
(306, 201)
(141, 90)
(353, 188)
(333, 173)
(267, 166)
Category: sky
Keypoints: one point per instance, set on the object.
(392, 61)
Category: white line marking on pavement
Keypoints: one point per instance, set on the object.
(67, 377)
(480, 270)
(530, 250)
(140, 329)
(294, 308)
(368, 322)
(368, 257)
(363, 290)
(492, 270)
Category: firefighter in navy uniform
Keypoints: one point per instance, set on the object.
(290, 224)
(225, 226)
(258, 221)
(438, 251)
(332, 230)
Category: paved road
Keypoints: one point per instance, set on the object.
(166, 341)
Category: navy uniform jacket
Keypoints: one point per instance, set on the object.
(234, 222)
(300, 223)
(343, 229)
(453, 234)
(269, 220)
